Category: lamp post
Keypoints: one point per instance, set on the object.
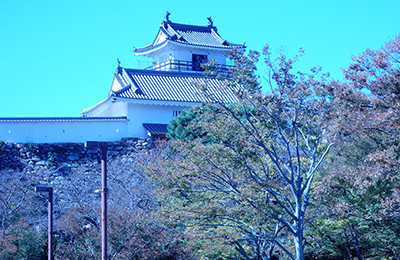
(104, 191)
(50, 217)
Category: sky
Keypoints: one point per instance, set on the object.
(57, 57)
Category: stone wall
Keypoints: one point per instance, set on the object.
(19, 155)
(74, 173)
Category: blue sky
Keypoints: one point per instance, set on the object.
(57, 57)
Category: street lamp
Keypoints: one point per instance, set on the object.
(104, 191)
(50, 216)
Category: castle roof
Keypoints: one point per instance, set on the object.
(174, 86)
(185, 34)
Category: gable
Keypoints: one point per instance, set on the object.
(160, 38)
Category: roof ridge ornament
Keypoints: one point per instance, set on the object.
(167, 17)
(118, 70)
(210, 22)
(166, 20)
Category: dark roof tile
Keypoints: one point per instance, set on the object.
(156, 128)
(191, 35)
(174, 86)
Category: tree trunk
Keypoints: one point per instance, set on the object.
(298, 243)
(356, 245)
(298, 236)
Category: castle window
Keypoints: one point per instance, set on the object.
(198, 59)
(176, 113)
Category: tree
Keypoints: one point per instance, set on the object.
(359, 214)
(18, 240)
(251, 185)
(177, 129)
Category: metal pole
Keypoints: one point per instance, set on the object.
(104, 191)
(50, 219)
(50, 227)
(104, 199)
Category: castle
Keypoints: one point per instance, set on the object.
(140, 102)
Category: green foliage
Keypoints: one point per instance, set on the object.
(23, 242)
(51, 160)
(184, 126)
(30, 147)
(188, 126)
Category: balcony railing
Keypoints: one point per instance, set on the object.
(180, 65)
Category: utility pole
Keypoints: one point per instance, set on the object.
(104, 191)
(50, 219)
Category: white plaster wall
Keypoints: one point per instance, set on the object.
(114, 109)
(52, 132)
(186, 54)
(154, 114)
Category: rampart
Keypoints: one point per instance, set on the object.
(19, 155)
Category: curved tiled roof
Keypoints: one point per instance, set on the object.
(191, 35)
(156, 128)
(170, 86)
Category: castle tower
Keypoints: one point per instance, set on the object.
(184, 47)
(149, 98)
